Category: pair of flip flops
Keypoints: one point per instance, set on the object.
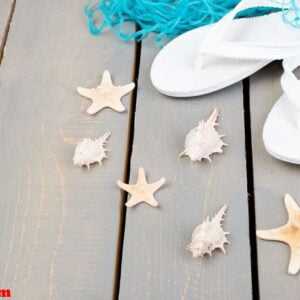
(212, 57)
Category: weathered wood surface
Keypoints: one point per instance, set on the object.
(155, 262)
(59, 223)
(5, 9)
(272, 180)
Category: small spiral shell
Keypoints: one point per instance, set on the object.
(90, 151)
(204, 140)
(209, 236)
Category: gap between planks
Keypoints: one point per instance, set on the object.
(250, 182)
(6, 30)
(250, 190)
(126, 176)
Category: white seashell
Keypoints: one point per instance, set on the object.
(209, 236)
(204, 140)
(90, 151)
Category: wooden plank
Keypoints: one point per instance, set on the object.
(59, 223)
(155, 262)
(5, 9)
(272, 180)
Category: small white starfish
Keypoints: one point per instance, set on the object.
(142, 191)
(288, 233)
(106, 95)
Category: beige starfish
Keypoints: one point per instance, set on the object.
(289, 234)
(142, 191)
(106, 95)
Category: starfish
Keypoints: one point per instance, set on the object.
(142, 191)
(288, 233)
(106, 95)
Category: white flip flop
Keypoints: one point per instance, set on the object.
(281, 133)
(212, 57)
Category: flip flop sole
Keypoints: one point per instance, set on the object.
(280, 133)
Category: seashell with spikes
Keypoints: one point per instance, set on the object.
(209, 236)
(90, 151)
(203, 140)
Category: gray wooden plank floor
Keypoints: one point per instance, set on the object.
(272, 180)
(59, 223)
(64, 231)
(155, 262)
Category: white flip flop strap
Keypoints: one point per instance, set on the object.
(241, 50)
(289, 82)
(218, 30)
(213, 45)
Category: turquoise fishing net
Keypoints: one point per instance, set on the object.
(291, 12)
(169, 18)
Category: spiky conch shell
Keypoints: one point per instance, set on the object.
(204, 140)
(90, 151)
(209, 236)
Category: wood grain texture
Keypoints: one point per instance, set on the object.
(272, 180)
(155, 262)
(59, 223)
(5, 8)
